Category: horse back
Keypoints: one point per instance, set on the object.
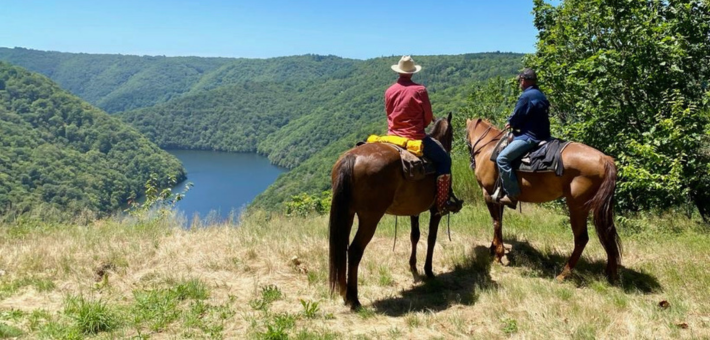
(379, 184)
(584, 160)
(584, 171)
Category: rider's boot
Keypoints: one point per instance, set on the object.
(446, 201)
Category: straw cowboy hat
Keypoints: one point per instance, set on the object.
(406, 66)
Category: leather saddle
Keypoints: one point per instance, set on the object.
(413, 168)
(545, 157)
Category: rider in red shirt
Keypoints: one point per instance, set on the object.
(408, 113)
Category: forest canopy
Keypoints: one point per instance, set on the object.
(631, 79)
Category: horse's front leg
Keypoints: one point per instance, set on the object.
(497, 248)
(415, 239)
(431, 241)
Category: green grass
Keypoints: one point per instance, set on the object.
(158, 308)
(9, 288)
(310, 309)
(91, 317)
(509, 326)
(309, 334)
(385, 276)
(276, 327)
(269, 294)
(7, 331)
(366, 313)
(191, 289)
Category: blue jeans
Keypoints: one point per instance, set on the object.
(505, 160)
(434, 151)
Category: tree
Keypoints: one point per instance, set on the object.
(493, 100)
(629, 77)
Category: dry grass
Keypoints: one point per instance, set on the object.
(147, 279)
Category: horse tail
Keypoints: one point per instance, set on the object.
(340, 222)
(602, 205)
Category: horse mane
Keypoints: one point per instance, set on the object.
(441, 131)
(437, 129)
(494, 128)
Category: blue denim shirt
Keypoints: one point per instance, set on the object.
(530, 119)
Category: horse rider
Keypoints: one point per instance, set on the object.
(408, 113)
(530, 123)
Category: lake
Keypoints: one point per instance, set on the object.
(223, 182)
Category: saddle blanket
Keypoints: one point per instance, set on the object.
(414, 146)
(545, 157)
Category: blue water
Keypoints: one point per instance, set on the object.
(223, 183)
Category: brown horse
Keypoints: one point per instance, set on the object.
(368, 182)
(587, 184)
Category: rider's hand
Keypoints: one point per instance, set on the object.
(507, 125)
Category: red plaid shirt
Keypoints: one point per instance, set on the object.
(408, 109)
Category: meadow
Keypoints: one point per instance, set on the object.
(146, 276)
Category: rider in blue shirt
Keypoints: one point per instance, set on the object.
(531, 124)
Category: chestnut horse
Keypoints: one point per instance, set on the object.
(368, 182)
(587, 184)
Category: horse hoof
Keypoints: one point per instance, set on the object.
(504, 261)
(430, 275)
(355, 306)
(612, 279)
(564, 275)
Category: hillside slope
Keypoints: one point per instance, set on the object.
(115, 82)
(57, 151)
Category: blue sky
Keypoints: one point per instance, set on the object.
(260, 29)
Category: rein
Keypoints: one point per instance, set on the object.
(473, 152)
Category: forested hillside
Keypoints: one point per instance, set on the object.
(300, 111)
(57, 151)
(116, 82)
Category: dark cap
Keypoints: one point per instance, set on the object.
(527, 74)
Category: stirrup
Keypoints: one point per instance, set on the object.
(509, 202)
(452, 205)
(454, 202)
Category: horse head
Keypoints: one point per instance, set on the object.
(475, 128)
(443, 132)
(480, 133)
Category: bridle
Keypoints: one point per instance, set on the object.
(472, 151)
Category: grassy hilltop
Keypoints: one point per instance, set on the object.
(267, 279)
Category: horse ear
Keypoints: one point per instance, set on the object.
(449, 117)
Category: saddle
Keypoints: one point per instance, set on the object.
(545, 157)
(414, 168)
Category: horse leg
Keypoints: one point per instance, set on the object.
(497, 249)
(367, 223)
(578, 219)
(415, 239)
(431, 241)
